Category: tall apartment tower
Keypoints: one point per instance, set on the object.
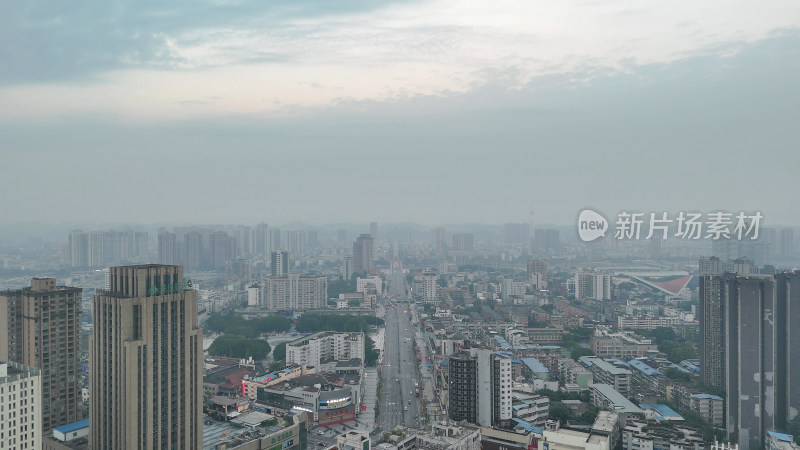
(363, 253)
(710, 315)
(20, 416)
(750, 334)
(347, 268)
(279, 263)
(261, 239)
(480, 387)
(463, 242)
(145, 356)
(296, 242)
(537, 266)
(43, 332)
(167, 245)
(373, 229)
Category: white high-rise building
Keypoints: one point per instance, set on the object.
(293, 292)
(20, 407)
(429, 285)
(254, 296)
(592, 285)
(480, 387)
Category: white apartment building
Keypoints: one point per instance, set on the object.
(253, 296)
(494, 382)
(293, 292)
(365, 284)
(429, 285)
(20, 407)
(311, 351)
(592, 285)
(646, 322)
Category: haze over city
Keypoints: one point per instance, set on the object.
(399, 225)
(431, 112)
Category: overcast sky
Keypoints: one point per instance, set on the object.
(431, 112)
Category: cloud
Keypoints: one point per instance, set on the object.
(705, 132)
(141, 61)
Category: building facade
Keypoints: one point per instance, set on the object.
(480, 387)
(20, 407)
(44, 332)
(279, 263)
(146, 361)
(363, 254)
(293, 292)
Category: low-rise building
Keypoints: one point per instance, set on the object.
(325, 346)
(638, 435)
(623, 345)
(605, 372)
(711, 407)
(604, 396)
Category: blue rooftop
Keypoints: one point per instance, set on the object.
(502, 343)
(70, 427)
(781, 436)
(644, 368)
(535, 365)
(707, 396)
(522, 425)
(662, 410)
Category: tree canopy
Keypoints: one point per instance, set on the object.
(248, 328)
(311, 323)
(238, 346)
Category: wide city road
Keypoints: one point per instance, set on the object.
(399, 404)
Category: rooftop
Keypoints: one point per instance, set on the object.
(72, 426)
(617, 400)
(642, 367)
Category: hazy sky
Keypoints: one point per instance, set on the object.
(432, 112)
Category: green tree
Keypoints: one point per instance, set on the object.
(577, 352)
(677, 375)
(354, 303)
(279, 353)
(370, 353)
(559, 412)
(238, 346)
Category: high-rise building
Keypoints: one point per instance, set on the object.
(592, 285)
(43, 331)
(546, 241)
(517, 233)
(749, 327)
(710, 315)
(373, 229)
(429, 284)
(191, 250)
(261, 239)
(463, 242)
(146, 361)
(347, 268)
(480, 387)
(537, 266)
(279, 263)
(292, 292)
(785, 243)
(20, 407)
(295, 242)
(312, 241)
(363, 253)
(167, 244)
(100, 248)
(274, 242)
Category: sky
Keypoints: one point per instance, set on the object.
(429, 112)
